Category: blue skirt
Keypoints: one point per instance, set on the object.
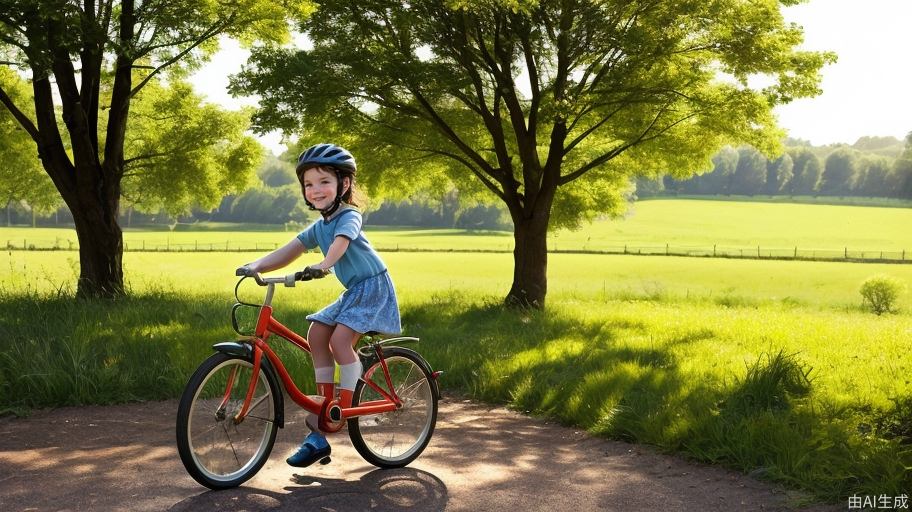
(370, 305)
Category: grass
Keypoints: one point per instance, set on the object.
(766, 366)
(653, 223)
(727, 282)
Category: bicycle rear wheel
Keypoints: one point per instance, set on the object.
(216, 451)
(394, 439)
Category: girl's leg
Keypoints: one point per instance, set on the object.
(342, 344)
(315, 446)
(319, 335)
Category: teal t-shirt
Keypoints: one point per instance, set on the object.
(360, 260)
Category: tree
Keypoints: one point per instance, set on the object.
(875, 171)
(807, 169)
(719, 181)
(101, 54)
(902, 171)
(840, 173)
(548, 105)
(750, 174)
(778, 174)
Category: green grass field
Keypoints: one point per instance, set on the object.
(772, 367)
(654, 223)
(820, 285)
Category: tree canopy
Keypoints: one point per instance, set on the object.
(548, 105)
(180, 152)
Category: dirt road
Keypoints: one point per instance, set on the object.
(480, 459)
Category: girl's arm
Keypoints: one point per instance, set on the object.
(280, 257)
(336, 250)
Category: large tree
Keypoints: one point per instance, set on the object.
(98, 55)
(551, 105)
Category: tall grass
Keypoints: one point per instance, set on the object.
(55, 350)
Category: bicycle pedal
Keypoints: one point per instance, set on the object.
(325, 460)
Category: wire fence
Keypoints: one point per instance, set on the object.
(715, 251)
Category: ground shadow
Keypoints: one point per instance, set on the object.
(381, 490)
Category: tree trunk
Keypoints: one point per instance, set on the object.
(530, 263)
(100, 249)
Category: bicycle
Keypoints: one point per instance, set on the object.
(232, 407)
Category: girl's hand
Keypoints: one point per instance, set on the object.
(311, 272)
(247, 269)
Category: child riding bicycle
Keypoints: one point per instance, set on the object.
(327, 176)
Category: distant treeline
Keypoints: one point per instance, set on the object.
(276, 199)
(865, 169)
(879, 167)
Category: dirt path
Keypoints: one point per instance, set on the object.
(480, 459)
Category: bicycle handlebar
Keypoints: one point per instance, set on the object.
(289, 280)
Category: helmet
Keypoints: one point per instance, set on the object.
(327, 154)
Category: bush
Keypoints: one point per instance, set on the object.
(879, 293)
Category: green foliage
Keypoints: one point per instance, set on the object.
(21, 175)
(879, 293)
(840, 173)
(181, 152)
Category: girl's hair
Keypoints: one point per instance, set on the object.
(352, 196)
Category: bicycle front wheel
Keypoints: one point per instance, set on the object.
(394, 439)
(218, 451)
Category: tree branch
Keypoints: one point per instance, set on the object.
(208, 34)
(624, 147)
(20, 116)
(481, 176)
(448, 131)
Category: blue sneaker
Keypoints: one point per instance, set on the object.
(314, 448)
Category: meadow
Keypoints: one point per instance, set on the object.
(653, 223)
(771, 367)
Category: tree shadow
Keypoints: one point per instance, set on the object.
(552, 363)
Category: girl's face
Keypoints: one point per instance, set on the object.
(320, 187)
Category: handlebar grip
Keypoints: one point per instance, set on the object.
(311, 273)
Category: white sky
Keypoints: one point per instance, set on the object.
(867, 92)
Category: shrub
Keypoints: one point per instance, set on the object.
(879, 293)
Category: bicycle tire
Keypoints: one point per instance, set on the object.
(394, 439)
(216, 452)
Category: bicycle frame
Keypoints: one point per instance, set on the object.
(268, 325)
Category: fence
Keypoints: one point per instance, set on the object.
(716, 251)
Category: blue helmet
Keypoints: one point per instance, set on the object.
(327, 154)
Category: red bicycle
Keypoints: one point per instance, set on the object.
(233, 404)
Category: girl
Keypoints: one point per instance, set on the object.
(327, 176)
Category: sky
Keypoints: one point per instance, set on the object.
(866, 92)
